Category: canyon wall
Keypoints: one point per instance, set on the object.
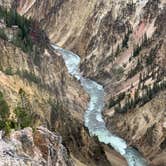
(122, 46)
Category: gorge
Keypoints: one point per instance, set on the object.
(93, 115)
(100, 104)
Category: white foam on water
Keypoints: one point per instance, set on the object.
(99, 118)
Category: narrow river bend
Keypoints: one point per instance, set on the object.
(93, 116)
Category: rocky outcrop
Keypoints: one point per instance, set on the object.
(40, 147)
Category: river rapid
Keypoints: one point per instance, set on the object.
(93, 116)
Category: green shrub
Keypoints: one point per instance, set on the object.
(118, 72)
(31, 77)
(152, 55)
(3, 35)
(138, 47)
(7, 128)
(126, 39)
(135, 70)
(137, 50)
(23, 111)
(24, 118)
(23, 115)
(8, 71)
(117, 100)
(4, 108)
(2, 124)
(4, 115)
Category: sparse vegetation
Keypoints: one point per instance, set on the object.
(24, 117)
(113, 101)
(2, 34)
(8, 71)
(118, 72)
(139, 47)
(29, 33)
(31, 77)
(135, 70)
(23, 111)
(150, 59)
(4, 115)
(56, 107)
(137, 50)
(22, 39)
(126, 39)
(4, 108)
(145, 41)
(149, 93)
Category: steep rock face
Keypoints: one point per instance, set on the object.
(52, 13)
(76, 138)
(48, 90)
(55, 85)
(144, 128)
(96, 30)
(39, 148)
(106, 34)
(51, 75)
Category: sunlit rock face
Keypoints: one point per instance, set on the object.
(40, 147)
(93, 30)
(57, 86)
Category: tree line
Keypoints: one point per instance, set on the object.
(148, 94)
(22, 39)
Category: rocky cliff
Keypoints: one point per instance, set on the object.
(122, 45)
(35, 90)
(40, 147)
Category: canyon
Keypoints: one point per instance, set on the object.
(122, 47)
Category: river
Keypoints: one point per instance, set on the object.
(93, 116)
